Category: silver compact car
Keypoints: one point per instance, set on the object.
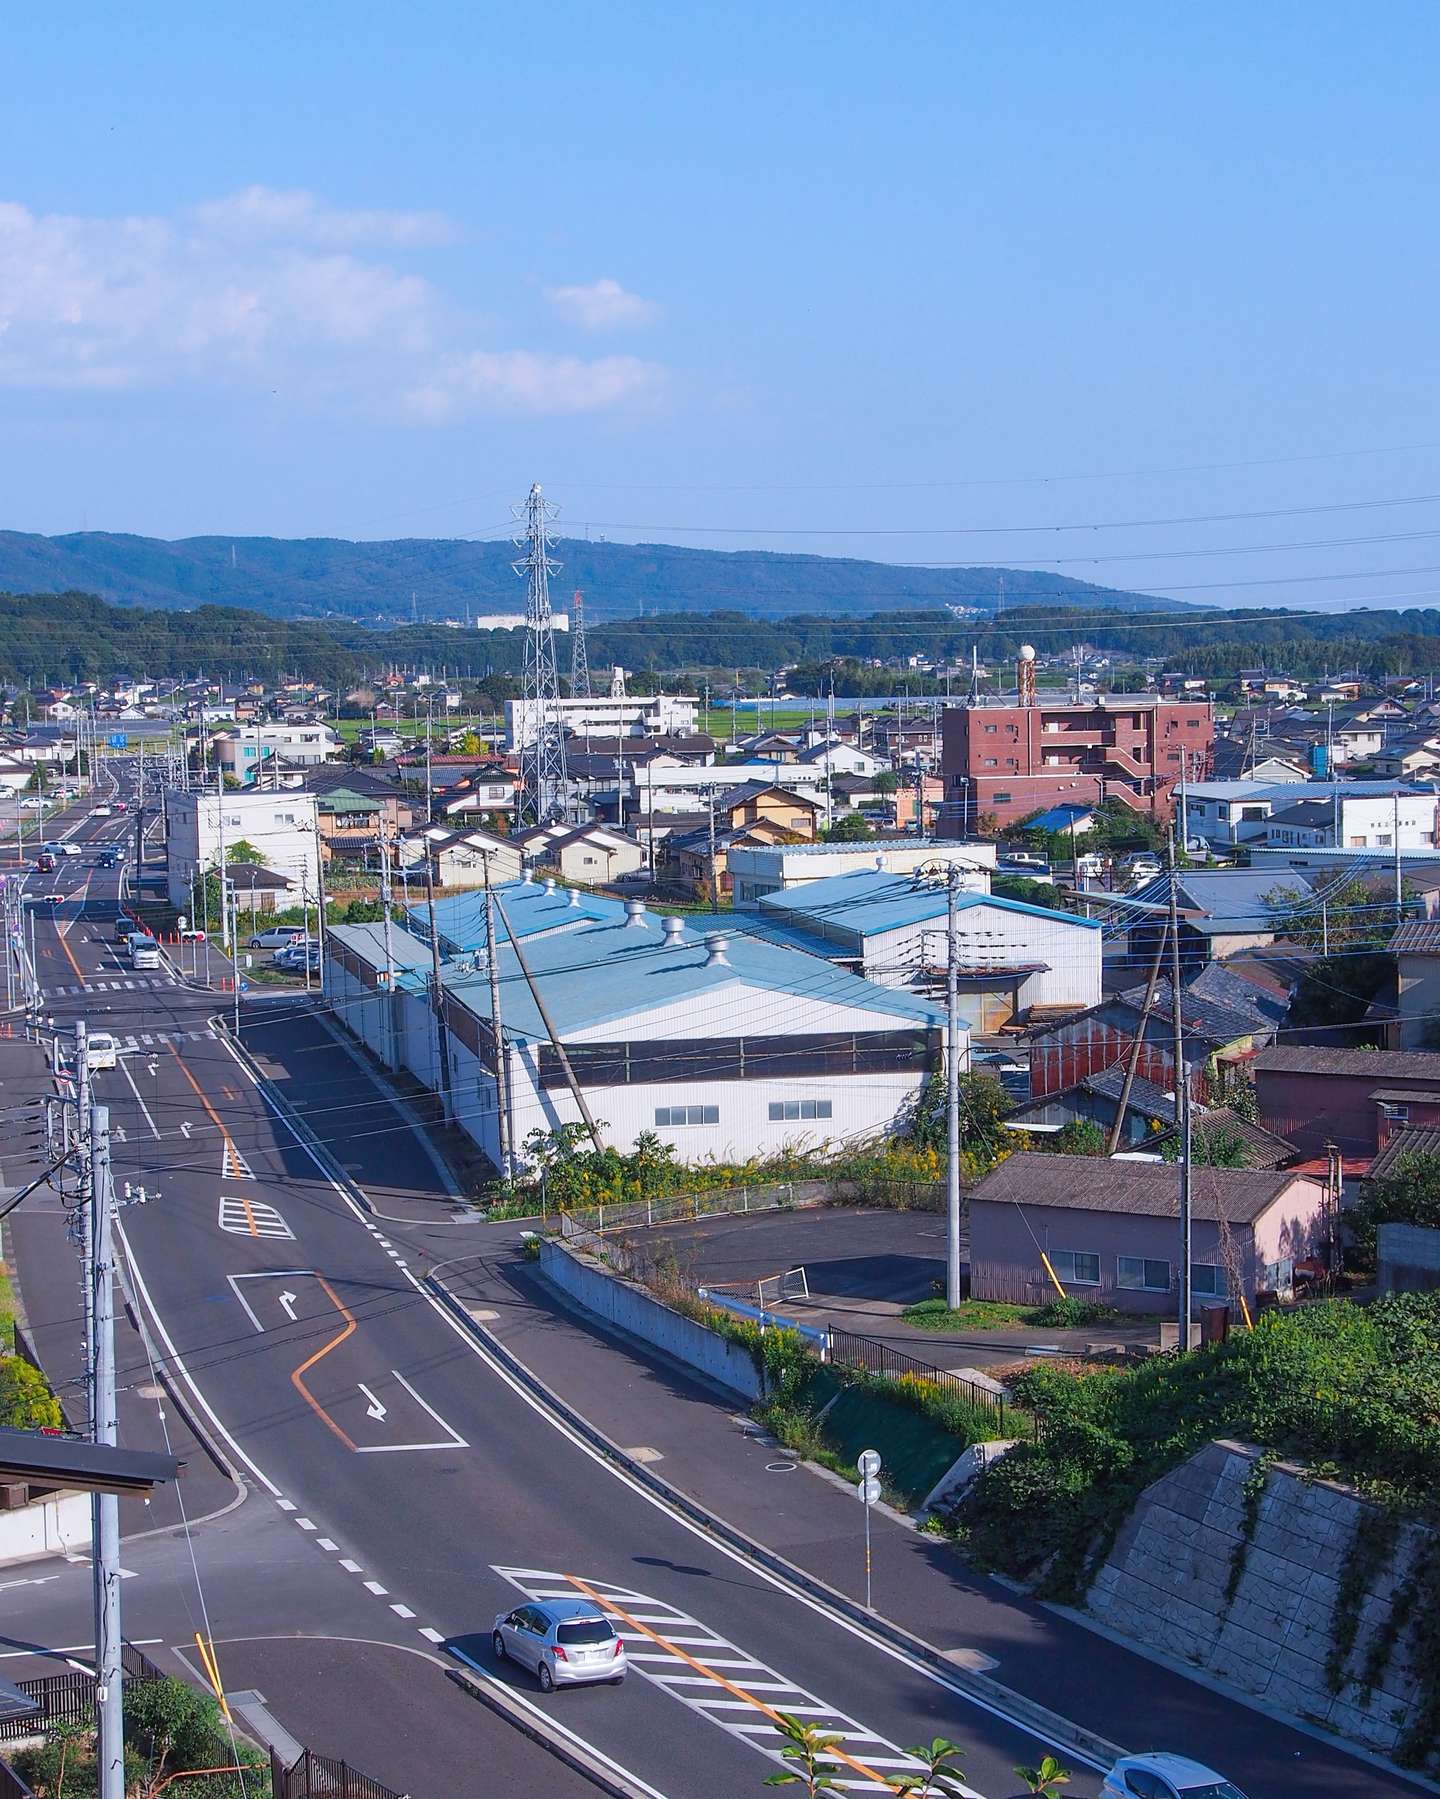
(1161, 1776)
(564, 1642)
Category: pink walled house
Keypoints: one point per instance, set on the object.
(1111, 1230)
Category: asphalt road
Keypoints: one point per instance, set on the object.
(420, 1485)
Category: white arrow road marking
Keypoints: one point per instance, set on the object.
(270, 1274)
(374, 1409)
(5, 1585)
(287, 1300)
(185, 1129)
(452, 1439)
(719, 1680)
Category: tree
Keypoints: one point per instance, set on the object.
(1351, 915)
(850, 827)
(26, 1402)
(242, 851)
(984, 1104)
(887, 782)
(1047, 1779)
(941, 1778)
(1080, 1137)
(1408, 1194)
(809, 1752)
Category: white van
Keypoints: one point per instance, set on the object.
(101, 1050)
(144, 951)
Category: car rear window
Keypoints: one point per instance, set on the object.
(584, 1630)
(1217, 1789)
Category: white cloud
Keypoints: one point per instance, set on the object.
(273, 289)
(535, 381)
(602, 306)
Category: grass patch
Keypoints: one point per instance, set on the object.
(997, 1314)
(9, 1311)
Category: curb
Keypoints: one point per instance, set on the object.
(1047, 1726)
(535, 1727)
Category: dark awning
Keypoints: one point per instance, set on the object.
(73, 1462)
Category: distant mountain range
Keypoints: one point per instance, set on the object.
(452, 578)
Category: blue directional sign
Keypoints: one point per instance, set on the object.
(119, 740)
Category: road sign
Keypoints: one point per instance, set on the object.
(118, 740)
(868, 1489)
(869, 1462)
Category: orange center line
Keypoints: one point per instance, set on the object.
(736, 1692)
(324, 1350)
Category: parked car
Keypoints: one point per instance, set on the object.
(1160, 1776)
(101, 1050)
(277, 936)
(101, 811)
(33, 805)
(564, 1642)
(296, 954)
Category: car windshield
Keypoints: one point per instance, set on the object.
(584, 1630)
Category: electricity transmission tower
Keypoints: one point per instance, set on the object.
(579, 656)
(542, 730)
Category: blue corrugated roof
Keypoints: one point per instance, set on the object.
(869, 902)
(1060, 818)
(460, 920)
(607, 969)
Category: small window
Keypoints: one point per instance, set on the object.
(1000, 799)
(1207, 1280)
(783, 1110)
(1138, 1274)
(1397, 1114)
(670, 1116)
(990, 730)
(1076, 1265)
(992, 762)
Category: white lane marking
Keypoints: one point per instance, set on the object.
(351, 1567)
(306, 1523)
(145, 1110)
(402, 1611)
(552, 1723)
(453, 1439)
(373, 1586)
(18, 1655)
(542, 1411)
(251, 1218)
(325, 1543)
(233, 1166)
(723, 1704)
(430, 1634)
(286, 1505)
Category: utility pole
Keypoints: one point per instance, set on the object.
(437, 996)
(1182, 1107)
(105, 1507)
(953, 1295)
(1399, 896)
(387, 932)
(497, 1031)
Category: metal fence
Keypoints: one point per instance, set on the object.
(864, 1353)
(70, 1698)
(320, 1777)
(11, 1785)
(677, 1208)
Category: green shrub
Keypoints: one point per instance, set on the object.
(26, 1402)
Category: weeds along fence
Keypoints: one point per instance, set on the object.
(679, 1208)
(867, 1356)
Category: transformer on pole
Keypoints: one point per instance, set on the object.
(542, 795)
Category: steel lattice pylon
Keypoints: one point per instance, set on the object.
(579, 655)
(543, 784)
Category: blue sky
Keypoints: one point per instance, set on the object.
(858, 279)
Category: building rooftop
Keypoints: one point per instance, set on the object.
(1379, 1065)
(869, 901)
(1144, 1189)
(1417, 936)
(1408, 1140)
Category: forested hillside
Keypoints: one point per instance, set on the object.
(325, 577)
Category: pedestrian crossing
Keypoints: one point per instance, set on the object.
(137, 1042)
(723, 1683)
(130, 984)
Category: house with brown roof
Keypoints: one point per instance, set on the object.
(1110, 1230)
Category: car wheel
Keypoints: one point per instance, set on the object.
(547, 1679)
(497, 1642)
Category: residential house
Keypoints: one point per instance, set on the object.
(1109, 1230)
(1219, 912)
(259, 890)
(1351, 1098)
(488, 788)
(201, 828)
(594, 854)
(918, 789)
(1415, 944)
(462, 858)
(246, 751)
(838, 757)
(1219, 1039)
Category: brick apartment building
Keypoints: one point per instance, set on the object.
(1010, 759)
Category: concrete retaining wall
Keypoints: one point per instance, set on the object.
(1165, 1579)
(596, 1290)
(54, 1525)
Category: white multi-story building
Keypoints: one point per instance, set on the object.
(202, 827)
(721, 1045)
(244, 751)
(607, 715)
(1368, 814)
